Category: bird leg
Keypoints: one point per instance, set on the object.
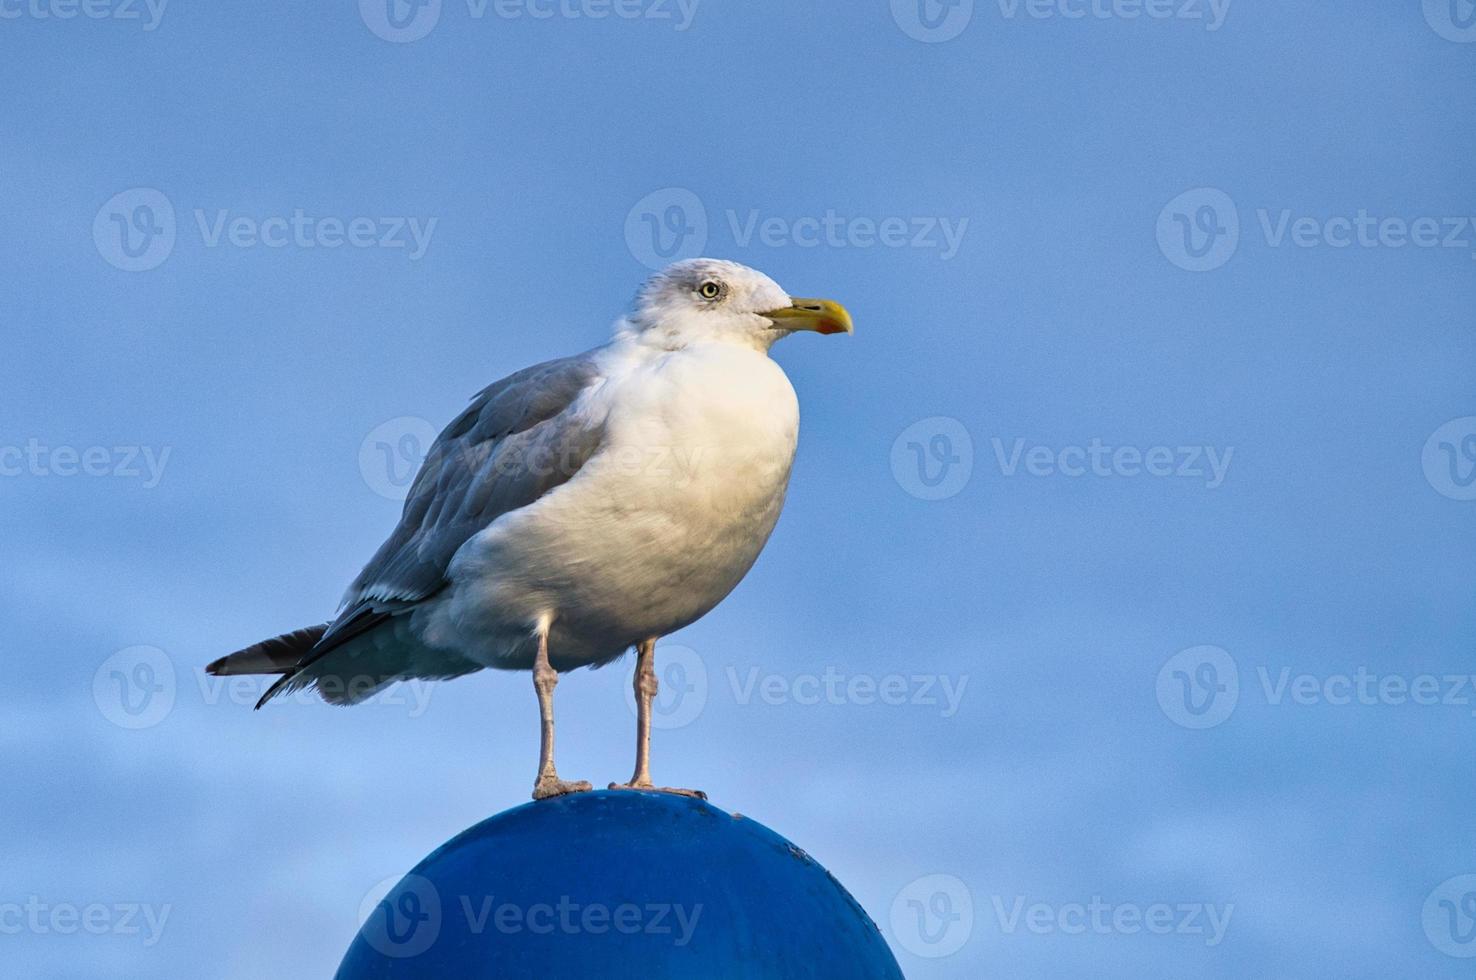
(646, 687)
(545, 679)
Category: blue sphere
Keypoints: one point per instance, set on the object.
(619, 884)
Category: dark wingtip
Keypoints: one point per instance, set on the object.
(271, 692)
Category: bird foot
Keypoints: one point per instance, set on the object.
(647, 785)
(548, 786)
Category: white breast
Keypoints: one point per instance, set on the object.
(655, 529)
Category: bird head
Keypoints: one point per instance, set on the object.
(703, 300)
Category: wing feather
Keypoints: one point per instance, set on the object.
(516, 441)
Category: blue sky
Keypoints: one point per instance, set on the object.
(1132, 532)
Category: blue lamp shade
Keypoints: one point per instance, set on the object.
(613, 885)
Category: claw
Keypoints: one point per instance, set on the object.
(552, 786)
(694, 793)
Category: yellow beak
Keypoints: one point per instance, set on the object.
(819, 315)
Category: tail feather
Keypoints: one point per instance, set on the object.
(279, 655)
(352, 625)
(345, 661)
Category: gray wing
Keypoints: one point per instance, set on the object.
(515, 442)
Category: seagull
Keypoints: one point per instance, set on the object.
(579, 508)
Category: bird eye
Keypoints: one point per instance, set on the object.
(710, 290)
